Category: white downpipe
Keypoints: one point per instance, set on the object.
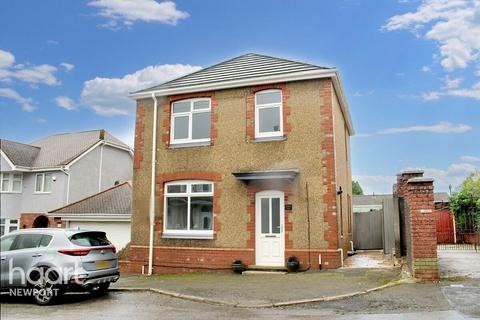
(100, 169)
(68, 185)
(351, 245)
(152, 186)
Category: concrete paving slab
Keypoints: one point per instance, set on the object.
(459, 263)
(264, 289)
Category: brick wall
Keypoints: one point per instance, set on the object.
(27, 220)
(420, 225)
(194, 259)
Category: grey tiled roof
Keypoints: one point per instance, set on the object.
(442, 197)
(55, 150)
(20, 154)
(247, 66)
(116, 200)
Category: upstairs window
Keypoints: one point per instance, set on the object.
(11, 182)
(43, 183)
(188, 210)
(191, 121)
(268, 114)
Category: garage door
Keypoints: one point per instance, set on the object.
(117, 232)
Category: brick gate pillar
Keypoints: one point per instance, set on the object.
(421, 228)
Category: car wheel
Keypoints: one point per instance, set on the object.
(46, 289)
(100, 289)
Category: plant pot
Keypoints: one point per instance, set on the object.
(238, 266)
(293, 264)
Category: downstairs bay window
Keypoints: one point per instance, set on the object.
(188, 210)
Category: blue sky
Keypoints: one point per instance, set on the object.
(411, 69)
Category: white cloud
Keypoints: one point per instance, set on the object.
(363, 93)
(6, 59)
(430, 96)
(426, 69)
(452, 83)
(469, 158)
(108, 96)
(65, 103)
(25, 103)
(124, 13)
(454, 25)
(472, 92)
(41, 120)
(441, 127)
(67, 66)
(127, 136)
(31, 74)
(453, 175)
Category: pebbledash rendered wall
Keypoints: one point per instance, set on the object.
(311, 115)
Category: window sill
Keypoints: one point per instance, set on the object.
(269, 139)
(187, 235)
(10, 192)
(189, 145)
(42, 192)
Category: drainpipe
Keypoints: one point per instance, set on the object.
(152, 186)
(68, 183)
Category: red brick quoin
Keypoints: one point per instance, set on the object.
(328, 165)
(139, 131)
(250, 115)
(214, 177)
(167, 112)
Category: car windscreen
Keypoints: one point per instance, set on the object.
(90, 239)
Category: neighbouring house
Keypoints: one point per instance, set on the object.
(109, 211)
(57, 170)
(246, 160)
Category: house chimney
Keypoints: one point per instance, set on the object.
(102, 134)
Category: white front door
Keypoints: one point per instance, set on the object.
(270, 239)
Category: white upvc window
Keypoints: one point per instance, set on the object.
(190, 121)
(268, 114)
(11, 182)
(188, 209)
(43, 183)
(8, 225)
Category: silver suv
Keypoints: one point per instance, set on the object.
(45, 263)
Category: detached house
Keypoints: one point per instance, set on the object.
(246, 160)
(57, 170)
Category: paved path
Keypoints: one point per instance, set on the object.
(261, 289)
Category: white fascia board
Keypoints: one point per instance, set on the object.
(10, 163)
(93, 217)
(337, 84)
(38, 169)
(305, 75)
(83, 154)
(114, 145)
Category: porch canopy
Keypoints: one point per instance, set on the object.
(287, 175)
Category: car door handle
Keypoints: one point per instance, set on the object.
(36, 255)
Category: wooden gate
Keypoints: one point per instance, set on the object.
(445, 228)
(369, 230)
